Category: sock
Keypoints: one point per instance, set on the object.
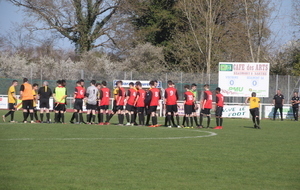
(218, 121)
(25, 116)
(48, 116)
(221, 121)
(208, 121)
(201, 119)
(88, 118)
(257, 120)
(196, 121)
(127, 117)
(75, 114)
(110, 116)
(187, 122)
(148, 119)
(8, 113)
(132, 118)
(183, 121)
(191, 118)
(107, 117)
(101, 117)
(56, 117)
(93, 118)
(73, 117)
(169, 119)
(172, 119)
(12, 114)
(253, 119)
(177, 119)
(166, 120)
(143, 118)
(154, 120)
(42, 116)
(62, 116)
(31, 116)
(80, 118)
(122, 118)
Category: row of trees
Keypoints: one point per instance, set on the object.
(160, 35)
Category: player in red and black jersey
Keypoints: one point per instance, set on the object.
(79, 94)
(140, 102)
(130, 108)
(104, 95)
(206, 106)
(219, 108)
(120, 101)
(171, 97)
(152, 98)
(189, 98)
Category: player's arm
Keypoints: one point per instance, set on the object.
(282, 100)
(75, 93)
(136, 98)
(247, 100)
(22, 88)
(204, 100)
(119, 96)
(185, 98)
(128, 95)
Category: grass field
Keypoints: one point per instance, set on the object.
(56, 156)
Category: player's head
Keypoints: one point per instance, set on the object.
(138, 84)
(155, 83)
(14, 83)
(278, 91)
(98, 85)
(35, 86)
(104, 83)
(93, 82)
(81, 82)
(58, 82)
(131, 85)
(25, 80)
(218, 90)
(193, 86)
(152, 83)
(63, 82)
(206, 86)
(78, 83)
(186, 87)
(295, 93)
(119, 83)
(170, 83)
(45, 83)
(253, 94)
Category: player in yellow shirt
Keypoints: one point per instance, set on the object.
(254, 109)
(12, 100)
(35, 87)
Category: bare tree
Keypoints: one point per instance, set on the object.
(83, 22)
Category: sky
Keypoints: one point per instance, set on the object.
(281, 22)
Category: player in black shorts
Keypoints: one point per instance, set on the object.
(44, 93)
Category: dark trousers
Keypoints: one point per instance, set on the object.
(295, 113)
(275, 111)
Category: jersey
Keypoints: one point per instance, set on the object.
(278, 99)
(154, 96)
(208, 98)
(60, 92)
(141, 95)
(121, 96)
(171, 96)
(104, 96)
(34, 98)
(220, 100)
(189, 98)
(11, 92)
(131, 93)
(295, 99)
(79, 92)
(26, 88)
(254, 102)
(195, 94)
(91, 93)
(45, 93)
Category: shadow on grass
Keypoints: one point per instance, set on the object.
(248, 127)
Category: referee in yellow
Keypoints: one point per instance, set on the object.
(12, 100)
(254, 109)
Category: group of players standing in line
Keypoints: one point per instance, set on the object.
(136, 101)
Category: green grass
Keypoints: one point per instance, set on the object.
(56, 156)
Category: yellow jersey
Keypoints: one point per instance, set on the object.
(254, 102)
(11, 93)
(34, 98)
(116, 93)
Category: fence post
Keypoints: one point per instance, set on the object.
(82, 74)
(288, 85)
(276, 83)
(131, 75)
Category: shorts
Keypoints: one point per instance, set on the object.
(78, 104)
(119, 107)
(130, 107)
(44, 104)
(91, 107)
(152, 109)
(27, 104)
(140, 109)
(219, 111)
(172, 108)
(59, 107)
(188, 109)
(104, 107)
(114, 109)
(254, 112)
(205, 111)
(11, 106)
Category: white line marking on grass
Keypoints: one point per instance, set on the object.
(210, 134)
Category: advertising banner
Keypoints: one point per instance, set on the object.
(241, 79)
(3, 102)
(145, 84)
(236, 111)
(287, 112)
